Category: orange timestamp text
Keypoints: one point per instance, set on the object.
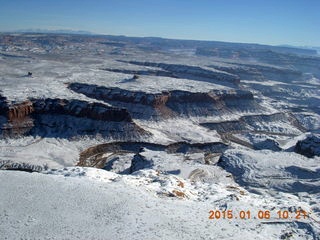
(260, 214)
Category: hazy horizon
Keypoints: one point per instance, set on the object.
(284, 22)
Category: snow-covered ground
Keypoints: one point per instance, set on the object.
(169, 194)
(177, 130)
(50, 78)
(163, 203)
(95, 204)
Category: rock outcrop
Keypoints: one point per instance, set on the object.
(270, 144)
(256, 123)
(269, 170)
(149, 72)
(140, 162)
(67, 118)
(193, 72)
(260, 72)
(18, 120)
(298, 59)
(3, 112)
(93, 155)
(3, 105)
(309, 147)
(77, 108)
(119, 95)
(169, 103)
(20, 166)
(18, 112)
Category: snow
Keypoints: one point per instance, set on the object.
(274, 172)
(55, 153)
(309, 120)
(264, 83)
(177, 130)
(171, 197)
(63, 207)
(153, 203)
(50, 152)
(50, 78)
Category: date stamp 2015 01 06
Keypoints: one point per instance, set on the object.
(260, 214)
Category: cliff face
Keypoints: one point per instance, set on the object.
(193, 72)
(67, 118)
(149, 72)
(120, 95)
(93, 155)
(146, 105)
(3, 105)
(309, 147)
(16, 119)
(303, 63)
(257, 123)
(261, 72)
(77, 108)
(18, 112)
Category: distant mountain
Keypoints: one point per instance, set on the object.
(203, 47)
(57, 31)
(316, 48)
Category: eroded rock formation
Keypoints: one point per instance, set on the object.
(253, 123)
(77, 108)
(20, 111)
(193, 72)
(172, 103)
(309, 147)
(93, 155)
(261, 72)
(66, 118)
(298, 59)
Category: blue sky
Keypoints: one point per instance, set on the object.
(295, 22)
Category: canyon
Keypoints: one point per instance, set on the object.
(190, 123)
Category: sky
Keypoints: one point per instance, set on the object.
(275, 22)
